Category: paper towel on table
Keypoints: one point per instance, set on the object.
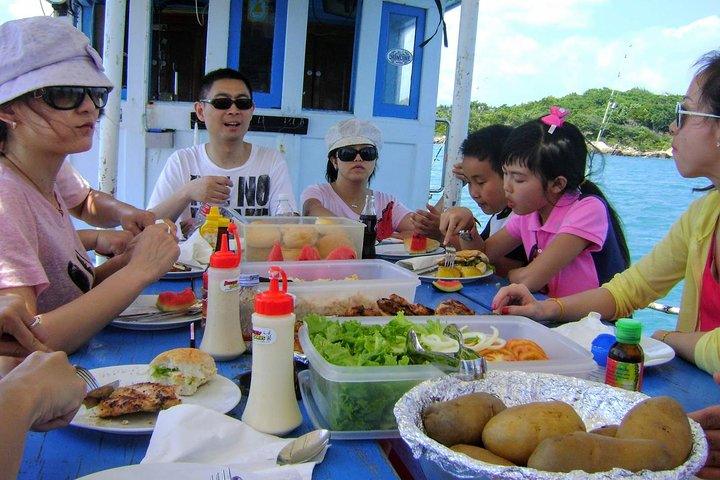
(195, 434)
(195, 251)
(425, 262)
(584, 331)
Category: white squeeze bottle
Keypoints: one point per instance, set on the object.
(271, 406)
(222, 337)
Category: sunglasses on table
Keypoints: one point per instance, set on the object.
(679, 113)
(70, 98)
(224, 103)
(348, 154)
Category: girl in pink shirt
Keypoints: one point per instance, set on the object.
(571, 235)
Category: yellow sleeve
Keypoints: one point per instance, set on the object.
(656, 273)
(707, 351)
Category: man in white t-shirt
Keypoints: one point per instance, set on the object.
(227, 170)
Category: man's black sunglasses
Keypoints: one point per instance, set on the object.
(348, 154)
(70, 98)
(224, 103)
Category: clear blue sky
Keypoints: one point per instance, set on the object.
(529, 49)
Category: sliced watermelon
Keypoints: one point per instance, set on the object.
(447, 285)
(342, 253)
(309, 253)
(418, 243)
(176, 301)
(276, 253)
(384, 227)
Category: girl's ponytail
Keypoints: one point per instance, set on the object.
(588, 187)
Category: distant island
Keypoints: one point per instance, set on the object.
(637, 123)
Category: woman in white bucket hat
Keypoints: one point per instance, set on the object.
(52, 90)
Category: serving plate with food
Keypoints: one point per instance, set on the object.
(181, 271)
(470, 266)
(183, 375)
(165, 311)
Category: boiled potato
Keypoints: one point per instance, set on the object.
(663, 419)
(607, 430)
(479, 453)
(599, 453)
(515, 432)
(462, 419)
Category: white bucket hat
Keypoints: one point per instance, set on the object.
(39, 52)
(353, 132)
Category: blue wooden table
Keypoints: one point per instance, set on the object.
(73, 452)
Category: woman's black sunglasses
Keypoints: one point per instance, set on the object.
(224, 103)
(348, 154)
(70, 98)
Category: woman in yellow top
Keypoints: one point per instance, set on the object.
(690, 251)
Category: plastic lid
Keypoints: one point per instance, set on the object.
(213, 213)
(225, 258)
(274, 301)
(223, 222)
(249, 279)
(628, 331)
(600, 347)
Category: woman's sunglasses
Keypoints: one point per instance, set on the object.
(679, 113)
(348, 154)
(224, 103)
(70, 98)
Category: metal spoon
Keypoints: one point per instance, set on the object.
(304, 448)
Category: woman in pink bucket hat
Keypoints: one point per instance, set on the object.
(52, 90)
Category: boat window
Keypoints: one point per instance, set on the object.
(179, 33)
(256, 46)
(328, 78)
(397, 88)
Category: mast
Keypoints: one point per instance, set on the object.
(461, 97)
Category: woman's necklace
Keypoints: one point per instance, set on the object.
(55, 203)
(352, 203)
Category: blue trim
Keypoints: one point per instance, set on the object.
(356, 43)
(272, 99)
(380, 108)
(87, 22)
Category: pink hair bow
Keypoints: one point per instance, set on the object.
(555, 119)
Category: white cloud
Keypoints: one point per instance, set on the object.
(516, 62)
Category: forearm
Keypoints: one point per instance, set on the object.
(16, 418)
(109, 267)
(683, 343)
(575, 307)
(102, 210)
(88, 238)
(313, 208)
(173, 206)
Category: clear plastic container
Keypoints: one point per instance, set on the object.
(330, 288)
(362, 398)
(325, 234)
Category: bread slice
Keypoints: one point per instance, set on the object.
(186, 368)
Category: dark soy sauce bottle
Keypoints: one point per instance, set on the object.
(369, 218)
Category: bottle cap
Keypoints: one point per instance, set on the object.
(249, 279)
(226, 258)
(274, 301)
(223, 222)
(213, 213)
(600, 347)
(628, 331)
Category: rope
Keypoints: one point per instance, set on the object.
(669, 309)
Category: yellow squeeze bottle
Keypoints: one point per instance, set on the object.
(209, 229)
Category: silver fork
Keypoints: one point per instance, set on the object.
(449, 258)
(87, 376)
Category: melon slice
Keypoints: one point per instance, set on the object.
(447, 285)
(275, 254)
(417, 244)
(342, 253)
(176, 301)
(309, 252)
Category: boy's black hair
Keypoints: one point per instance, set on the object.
(487, 144)
(220, 74)
(561, 153)
(331, 172)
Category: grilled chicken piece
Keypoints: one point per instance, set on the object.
(363, 311)
(391, 307)
(140, 397)
(399, 300)
(452, 307)
(420, 309)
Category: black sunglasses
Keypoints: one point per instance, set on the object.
(70, 98)
(224, 103)
(348, 154)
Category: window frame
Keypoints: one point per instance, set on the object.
(272, 99)
(381, 108)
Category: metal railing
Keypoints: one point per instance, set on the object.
(441, 187)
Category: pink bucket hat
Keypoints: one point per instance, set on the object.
(39, 52)
(353, 132)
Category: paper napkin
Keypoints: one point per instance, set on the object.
(195, 434)
(425, 262)
(195, 251)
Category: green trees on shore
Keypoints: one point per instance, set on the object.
(639, 120)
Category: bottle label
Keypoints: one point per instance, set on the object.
(263, 335)
(230, 285)
(624, 375)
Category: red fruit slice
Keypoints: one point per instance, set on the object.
(342, 253)
(447, 285)
(418, 243)
(384, 227)
(176, 301)
(309, 253)
(276, 253)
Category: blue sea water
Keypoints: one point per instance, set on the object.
(649, 195)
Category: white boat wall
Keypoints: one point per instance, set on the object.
(318, 62)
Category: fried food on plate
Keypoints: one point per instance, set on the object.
(525, 349)
(139, 397)
(453, 307)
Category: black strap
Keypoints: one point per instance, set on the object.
(438, 4)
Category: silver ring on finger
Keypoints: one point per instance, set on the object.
(37, 321)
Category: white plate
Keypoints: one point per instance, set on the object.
(194, 272)
(176, 471)
(656, 352)
(219, 394)
(146, 304)
(430, 277)
(397, 250)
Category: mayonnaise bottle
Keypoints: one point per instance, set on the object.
(271, 406)
(222, 337)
